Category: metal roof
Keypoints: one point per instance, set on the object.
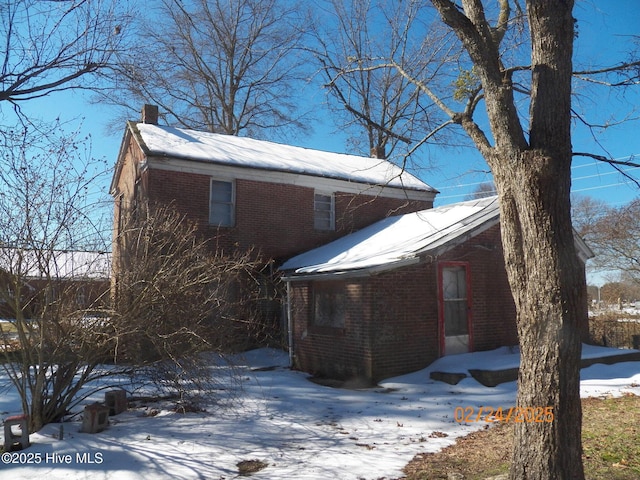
(401, 240)
(398, 240)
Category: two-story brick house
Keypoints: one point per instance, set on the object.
(276, 200)
(279, 199)
(434, 288)
(250, 193)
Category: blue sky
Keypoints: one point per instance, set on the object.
(604, 27)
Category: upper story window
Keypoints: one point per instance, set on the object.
(222, 203)
(324, 211)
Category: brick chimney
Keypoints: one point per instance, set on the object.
(150, 114)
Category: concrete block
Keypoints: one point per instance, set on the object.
(116, 400)
(12, 439)
(95, 418)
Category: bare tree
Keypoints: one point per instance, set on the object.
(615, 238)
(532, 175)
(623, 290)
(53, 46)
(586, 212)
(530, 157)
(218, 66)
(48, 286)
(389, 111)
(176, 300)
(179, 300)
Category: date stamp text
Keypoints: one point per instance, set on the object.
(511, 414)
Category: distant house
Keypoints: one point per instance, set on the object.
(276, 199)
(82, 278)
(393, 297)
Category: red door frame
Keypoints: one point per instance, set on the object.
(467, 269)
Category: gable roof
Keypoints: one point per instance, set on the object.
(212, 148)
(398, 240)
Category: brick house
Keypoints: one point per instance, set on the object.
(78, 278)
(379, 283)
(395, 296)
(249, 193)
(278, 200)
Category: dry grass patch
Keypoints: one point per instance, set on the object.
(610, 435)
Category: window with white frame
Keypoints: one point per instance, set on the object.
(324, 211)
(221, 203)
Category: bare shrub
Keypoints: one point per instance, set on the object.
(615, 329)
(176, 299)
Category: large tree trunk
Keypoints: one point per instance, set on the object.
(533, 179)
(545, 276)
(542, 264)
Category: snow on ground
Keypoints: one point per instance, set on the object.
(301, 429)
(626, 310)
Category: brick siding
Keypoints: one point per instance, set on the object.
(275, 218)
(392, 324)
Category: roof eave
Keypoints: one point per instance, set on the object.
(162, 160)
(583, 250)
(353, 273)
(432, 250)
(131, 132)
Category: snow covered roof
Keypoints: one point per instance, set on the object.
(57, 264)
(259, 154)
(398, 240)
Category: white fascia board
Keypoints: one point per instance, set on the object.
(288, 178)
(356, 273)
(113, 187)
(583, 250)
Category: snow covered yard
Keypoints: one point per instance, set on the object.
(298, 428)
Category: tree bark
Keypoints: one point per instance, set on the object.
(533, 178)
(546, 282)
(544, 273)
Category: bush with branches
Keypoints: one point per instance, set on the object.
(176, 298)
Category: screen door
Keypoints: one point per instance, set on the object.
(455, 308)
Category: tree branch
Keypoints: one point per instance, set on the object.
(614, 69)
(616, 164)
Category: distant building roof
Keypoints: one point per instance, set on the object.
(236, 151)
(66, 264)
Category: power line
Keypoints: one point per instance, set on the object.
(577, 190)
(599, 187)
(584, 177)
(606, 173)
(462, 185)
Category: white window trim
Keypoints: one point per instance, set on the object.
(233, 200)
(332, 212)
